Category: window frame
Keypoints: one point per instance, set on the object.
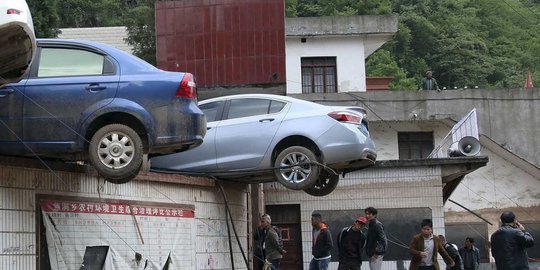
(414, 141)
(226, 111)
(308, 62)
(109, 64)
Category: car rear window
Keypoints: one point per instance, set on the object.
(69, 62)
(276, 106)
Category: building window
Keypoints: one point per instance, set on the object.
(415, 145)
(319, 75)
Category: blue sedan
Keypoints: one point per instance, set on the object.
(88, 101)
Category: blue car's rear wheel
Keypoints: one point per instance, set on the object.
(296, 168)
(326, 183)
(116, 152)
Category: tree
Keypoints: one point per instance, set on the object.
(141, 28)
(382, 63)
(45, 17)
(484, 43)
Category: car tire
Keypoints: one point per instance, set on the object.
(326, 183)
(297, 177)
(116, 152)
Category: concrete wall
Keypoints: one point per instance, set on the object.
(383, 188)
(349, 60)
(385, 135)
(499, 185)
(207, 245)
(509, 117)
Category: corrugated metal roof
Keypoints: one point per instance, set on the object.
(114, 36)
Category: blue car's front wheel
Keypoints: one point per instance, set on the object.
(116, 152)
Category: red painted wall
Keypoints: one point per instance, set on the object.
(223, 42)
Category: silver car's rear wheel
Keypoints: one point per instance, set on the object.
(326, 183)
(297, 169)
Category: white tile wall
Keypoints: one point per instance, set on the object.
(113, 36)
(407, 187)
(19, 187)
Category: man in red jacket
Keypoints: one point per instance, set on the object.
(322, 244)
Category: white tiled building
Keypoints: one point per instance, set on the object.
(114, 36)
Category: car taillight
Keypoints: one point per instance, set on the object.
(346, 117)
(187, 88)
(12, 11)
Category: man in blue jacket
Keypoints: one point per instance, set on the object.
(322, 244)
(508, 244)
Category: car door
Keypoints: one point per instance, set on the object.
(244, 135)
(11, 100)
(66, 85)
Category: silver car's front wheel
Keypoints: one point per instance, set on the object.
(296, 168)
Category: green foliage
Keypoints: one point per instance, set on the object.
(316, 8)
(484, 43)
(45, 17)
(466, 43)
(382, 63)
(141, 29)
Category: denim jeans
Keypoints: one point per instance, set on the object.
(275, 264)
(375, 263)
(319, 264)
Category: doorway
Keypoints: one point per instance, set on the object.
(287, 218)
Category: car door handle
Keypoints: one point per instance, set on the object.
(208, 128)
(5, 92)
(266, 120)
(95, 87)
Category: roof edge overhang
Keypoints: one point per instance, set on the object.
(453, 169)
(341, 25)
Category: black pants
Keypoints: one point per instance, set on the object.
(431, 267)
(258, 262)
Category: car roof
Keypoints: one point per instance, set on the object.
(262, 96)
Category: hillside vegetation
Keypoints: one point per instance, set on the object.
(466, 43)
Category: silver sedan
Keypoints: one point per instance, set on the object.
(301, 144)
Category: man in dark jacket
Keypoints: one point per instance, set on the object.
(508, 244)
(322, 244)
(273, 246)
(429, 83)
(259, 236)
(454, 254)
(376, 239)
(470, 255)
(351, 240)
